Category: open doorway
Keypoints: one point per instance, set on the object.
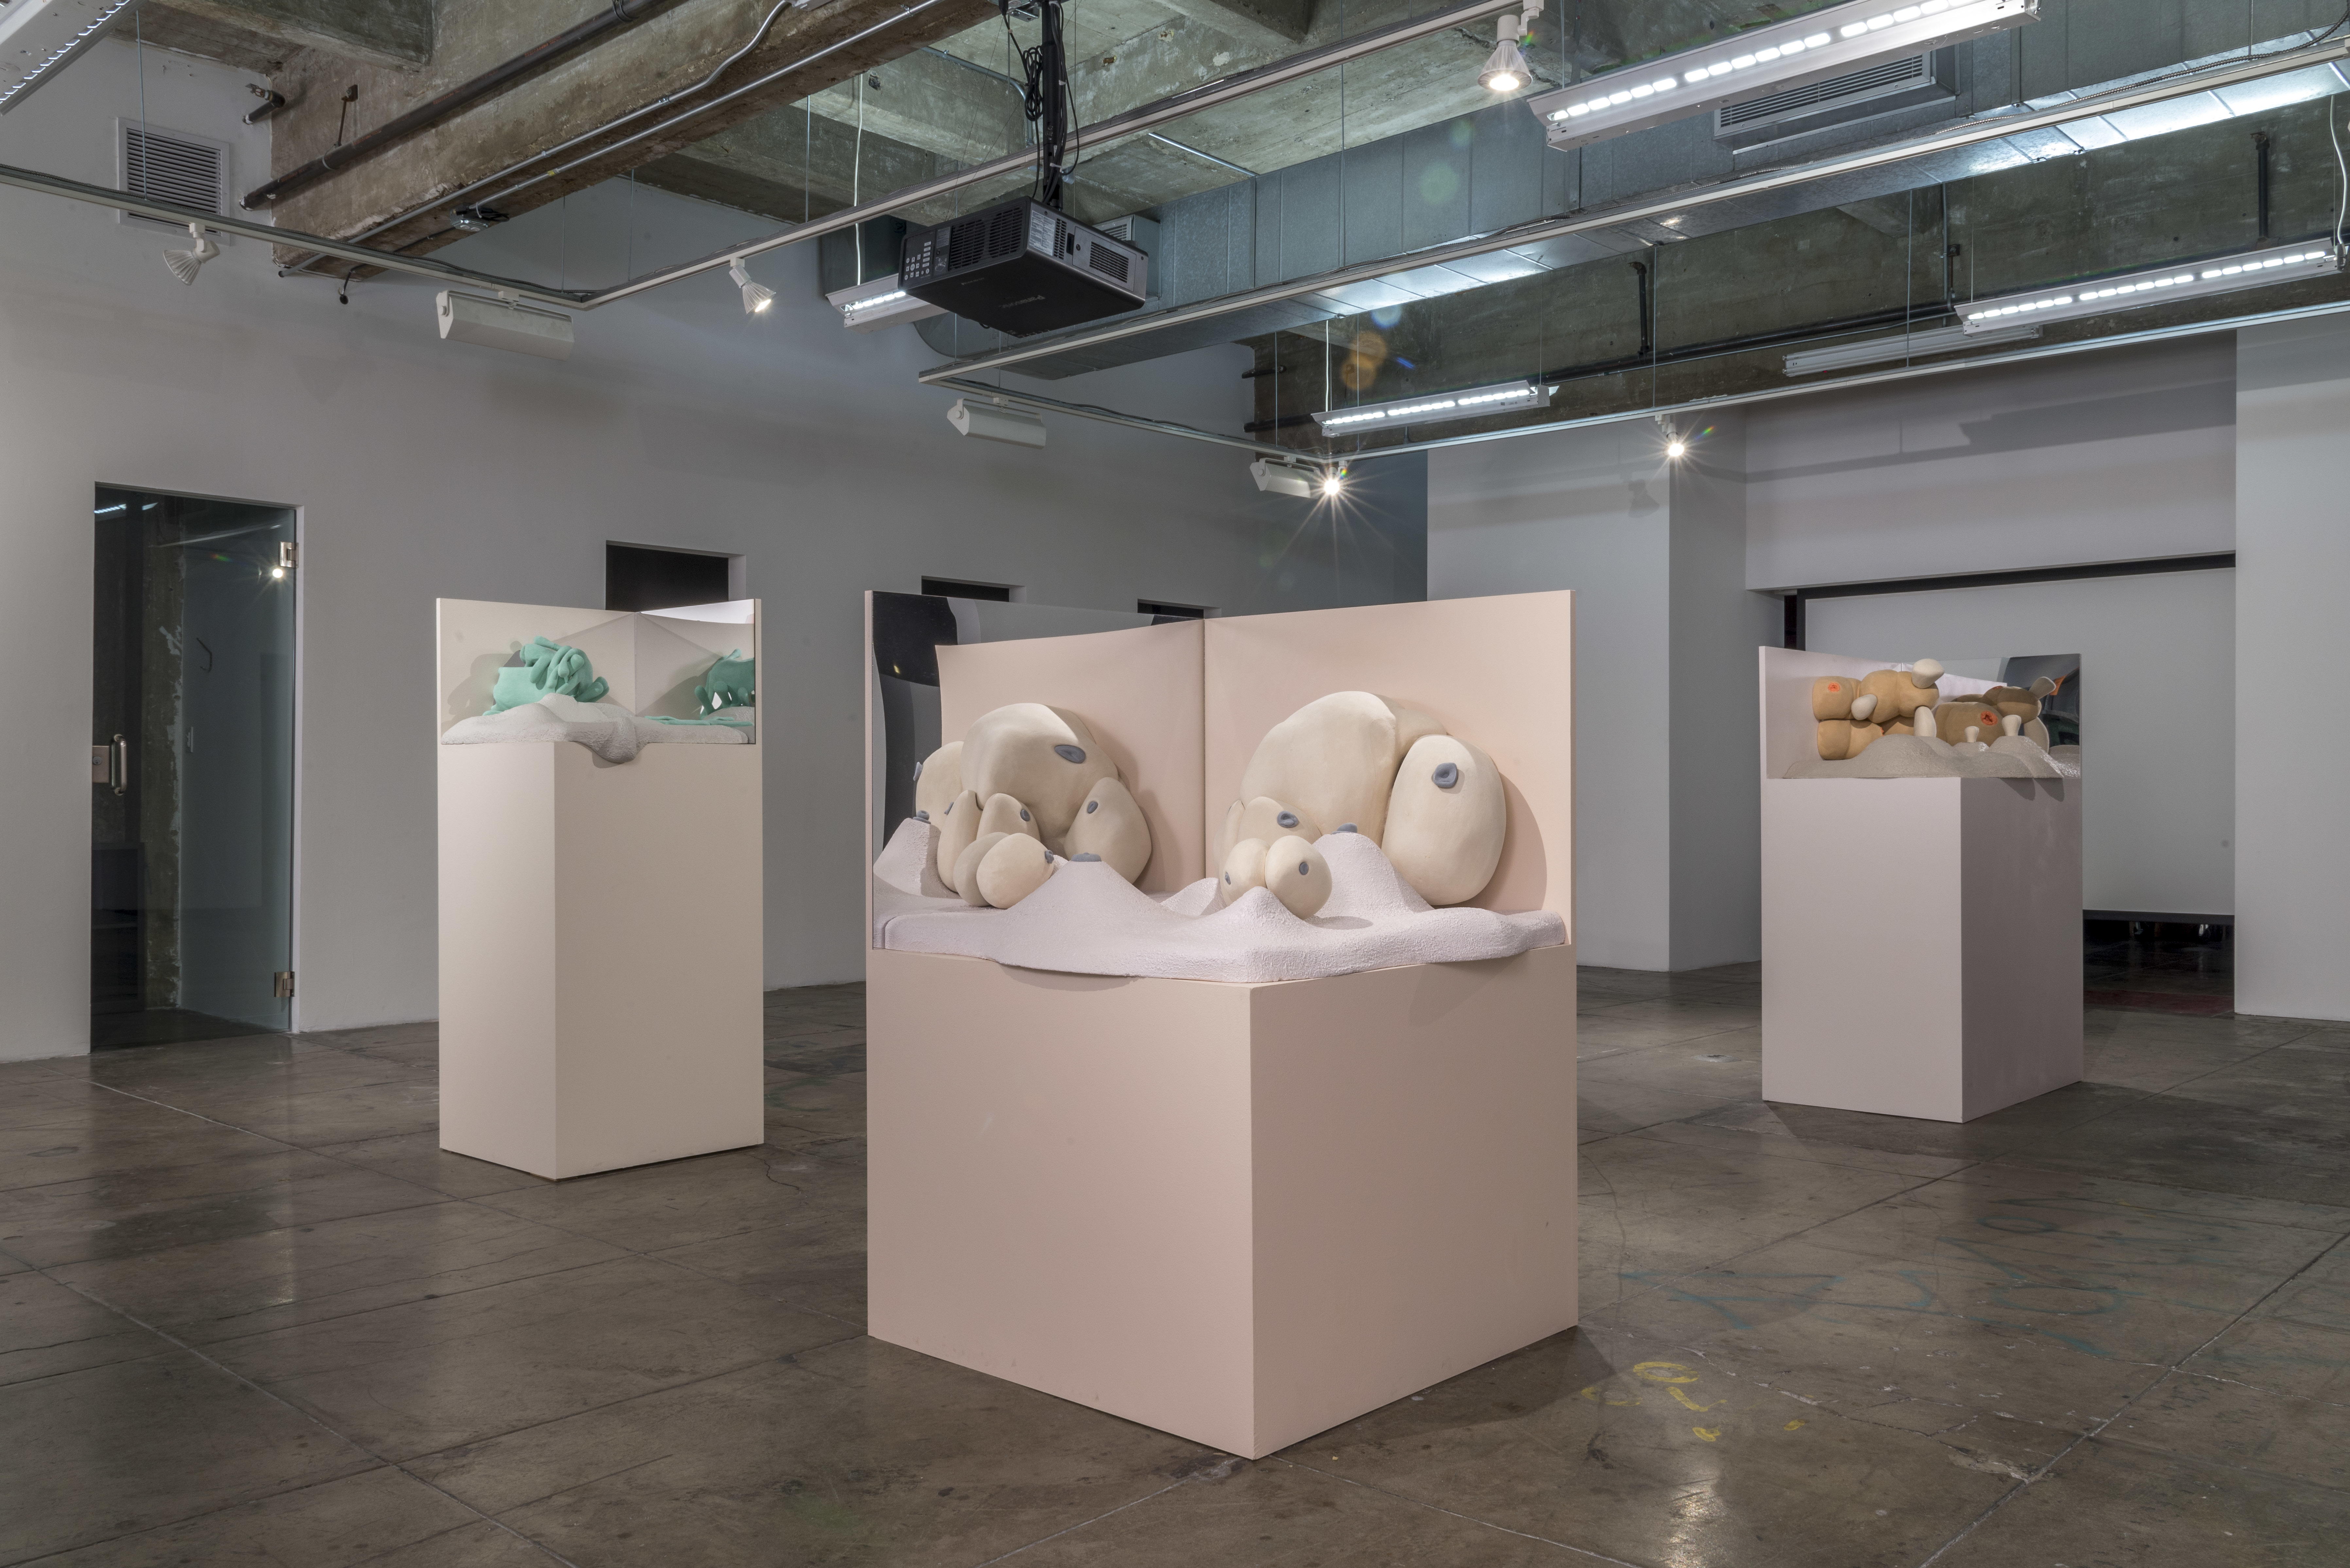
(192, 769)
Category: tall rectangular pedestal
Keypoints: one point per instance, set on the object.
(1239, 1213)
(600, 955)
(1921, 943)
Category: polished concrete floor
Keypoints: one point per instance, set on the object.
(250, 1314)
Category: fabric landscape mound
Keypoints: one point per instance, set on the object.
(1925, 757)
(1088, 920)
(606, 728)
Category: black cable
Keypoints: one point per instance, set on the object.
(1045, 97)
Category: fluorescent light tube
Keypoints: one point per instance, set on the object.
(1813, 47)
(2279, 264)
(1900, 346)
(877, 303)
(39, 38)
(1463, 405)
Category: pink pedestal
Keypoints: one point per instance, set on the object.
(1239, 1213)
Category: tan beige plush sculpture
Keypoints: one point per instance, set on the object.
(958, 825)
(1243, 868)
(1033, 772)
(1953, 720)
(1853, 713)
(1044, 758)
(1296, 873)
(1446, 819)
(1110, 827)
(1334, 759)
(938, 781)
(1014, 868)
(1350, 762)
(965, 879)
(1831, 696)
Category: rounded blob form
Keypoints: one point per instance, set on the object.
(1005, 815)
(1896, 695)
(939, 780)
(1446, 841)
(1446, 775)
(1334, 759)
(1244, 869)
(1025, 749)
(1953, 719)
(1925, 673)
(1862, 706)
(966, 877)
(1012, 870)
(2044, 687)
(958, 825)
(1863, 735)
(2013, 723)
(1112, 827)
(1265, 819)
(1296, 873)
(1831, 696)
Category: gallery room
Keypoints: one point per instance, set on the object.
(1273, 783)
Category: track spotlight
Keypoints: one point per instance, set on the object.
(185, 265)
(1276, 477)
(996, 421)
(756, 297)
(1505, 68)
(1334, 481)
(1675, 447)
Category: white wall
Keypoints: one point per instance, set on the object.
(2117, 456)
(1665, 816)
(2157, 699)
(2292, 580)
(426, 469)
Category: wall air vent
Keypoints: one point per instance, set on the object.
(171, 166)
(1864, 94)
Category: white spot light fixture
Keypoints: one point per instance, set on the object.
(185, 265)
(1505, 68)
(1813, 47)
(1468, 404)
(756, 297)
(2279, 264)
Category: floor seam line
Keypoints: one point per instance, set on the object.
(1455, 1513)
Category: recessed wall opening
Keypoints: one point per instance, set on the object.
(1159, 610)
(955, 588)
(655, 576)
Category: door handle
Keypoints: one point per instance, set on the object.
(117, 765)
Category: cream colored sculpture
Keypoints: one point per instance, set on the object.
(1243, 868)
(1296, 873)
(1354, 761)
(1027, 771)
(1014, 868)
(1110, 826)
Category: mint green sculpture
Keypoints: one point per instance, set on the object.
(728, 684)
(547, 670)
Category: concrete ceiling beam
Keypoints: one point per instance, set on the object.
(395, 34)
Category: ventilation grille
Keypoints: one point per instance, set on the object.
(966, 243)
(1892, 75)
(166, 168)
(1005, 231)
(1108, 262)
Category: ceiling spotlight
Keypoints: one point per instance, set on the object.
(996, 421)
(1675, 447)
(2280, 264)
(1505, 68)
(756, 297)
(1275, 476)
(1809, 48)
(473, 220)
(1334, 479)
(185, 265)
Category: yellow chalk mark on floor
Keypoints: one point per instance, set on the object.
(1708, 1433)
(1791, 1426)
(1664, 1372)
(1592, 1393)
(1692, 1404)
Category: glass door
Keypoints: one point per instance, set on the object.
(192, 770)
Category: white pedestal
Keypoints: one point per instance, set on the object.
(600, 955)
(1239, 1213)
(1921, 943)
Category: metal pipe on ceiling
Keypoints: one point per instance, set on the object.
(1991, 128)
(1100, 415)
(172, 212)
(1209, 95)
(618, 14)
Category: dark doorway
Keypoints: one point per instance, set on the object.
(192, 769)
(641, 578)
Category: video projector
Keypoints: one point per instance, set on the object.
(1023, 268)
